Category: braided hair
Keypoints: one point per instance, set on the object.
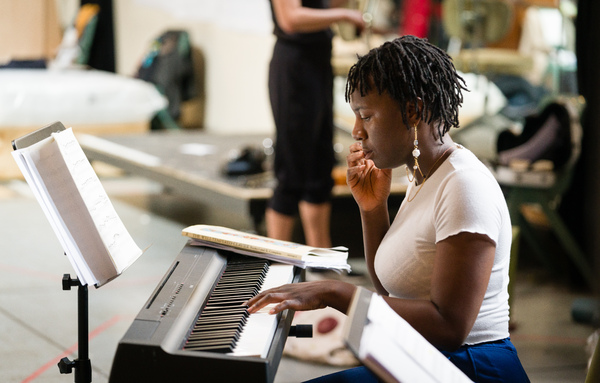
(410, 69)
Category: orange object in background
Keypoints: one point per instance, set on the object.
(339, 175)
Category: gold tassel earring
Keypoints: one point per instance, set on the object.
(416, 153)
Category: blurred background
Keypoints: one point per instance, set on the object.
(164, 95)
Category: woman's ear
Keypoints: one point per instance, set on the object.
(414, 111)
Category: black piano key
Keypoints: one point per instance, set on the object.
(216, 324)
(229, 297)
(217, 302)
(232, 292)
(220, 305)
(214, 348)
(246, 262)
(214, 335)
(217, 327)
(235, 292)
(222, 335)
(207, 326)
(240, 316)
(235, 285)
(228, 331)
(256, 277)
(220, 319)
(227, 346)
(222, 302)
(229, 311)
(244, 271)
(227, 302)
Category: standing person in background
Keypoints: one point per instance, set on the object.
(301, 94)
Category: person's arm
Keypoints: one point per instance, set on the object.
(292, 17)
(461, 273)
(375, 224)
(370, 188)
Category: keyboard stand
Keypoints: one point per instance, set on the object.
(82, 365)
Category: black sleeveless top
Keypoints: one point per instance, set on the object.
(324, 36)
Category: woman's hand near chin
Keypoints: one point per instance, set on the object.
(369, 185)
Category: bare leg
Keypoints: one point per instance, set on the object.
(316, 223)
(279, 226)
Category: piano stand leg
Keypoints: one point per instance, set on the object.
(82, 365)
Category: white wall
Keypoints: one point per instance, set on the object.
(236, 55)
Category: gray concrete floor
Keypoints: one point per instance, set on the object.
(38, 319)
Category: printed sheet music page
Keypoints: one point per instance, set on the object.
(93, 236)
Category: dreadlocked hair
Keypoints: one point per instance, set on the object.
(410, 70)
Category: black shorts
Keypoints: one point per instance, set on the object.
(301, 94)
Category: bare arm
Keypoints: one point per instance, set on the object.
(292, 17)
(461, 273)
(370, 188)
(374, 226)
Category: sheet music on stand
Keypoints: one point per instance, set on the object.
(75, 203)
(391, 348)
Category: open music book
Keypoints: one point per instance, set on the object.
(88, 228)
(259, 246)
(390, 347)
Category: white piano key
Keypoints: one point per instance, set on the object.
(278, 274)
(259, 330)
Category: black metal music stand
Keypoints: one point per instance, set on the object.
(82, 365)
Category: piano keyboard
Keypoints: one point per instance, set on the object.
(260, 327)
(194, 324)
(224, 325)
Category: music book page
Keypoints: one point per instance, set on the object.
(91, 233)
(392, 348)
(269, 248)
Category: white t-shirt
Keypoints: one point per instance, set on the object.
(461, 196)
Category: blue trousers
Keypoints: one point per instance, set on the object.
(488, 362)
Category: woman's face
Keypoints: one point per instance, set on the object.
(378, 125)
